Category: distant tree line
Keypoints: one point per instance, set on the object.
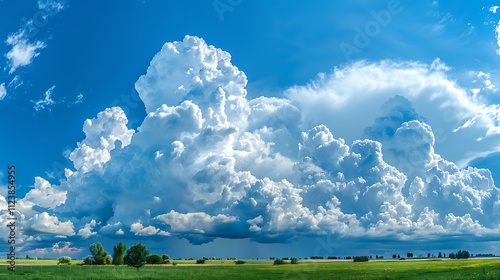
(460, 255)
(138, 255)
(360, 259)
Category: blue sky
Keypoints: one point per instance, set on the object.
(245, 128)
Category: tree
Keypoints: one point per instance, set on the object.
(452, 256)
(136, 256)
(119, 253)
(154, 259)
(294, 261)
(409, 255)
(440, 255)
(428, 255)
(394, 256)
(462, 254)
(165, 258)
(100, 256)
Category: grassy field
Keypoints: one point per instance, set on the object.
(409, 269)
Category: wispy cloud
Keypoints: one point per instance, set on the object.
(493, 9)
(497, 33)
(51, 6)
(79, 99)
(3, 91)
(46, 101)
(65, 248)
(15, 82)
(24, 49)
(22, 52)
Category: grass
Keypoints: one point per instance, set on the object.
(263, 269)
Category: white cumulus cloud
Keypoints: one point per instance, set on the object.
(86, 231)
(45, 195)
(213, 164)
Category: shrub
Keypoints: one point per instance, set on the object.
(360, 259)
(154, 259)
(88, 260)
(294, 261)
(279, 261)
(64, 260)
(200, 261)
(174, 263)
(239, 262)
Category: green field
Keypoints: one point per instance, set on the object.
(261, 270)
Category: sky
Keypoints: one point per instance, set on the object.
(251, 129)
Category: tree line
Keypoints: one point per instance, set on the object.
(137, 256)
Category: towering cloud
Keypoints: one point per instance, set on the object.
(208, 163)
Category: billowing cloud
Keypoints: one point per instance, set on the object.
(493, 9)
(46, 223)
(45, 195)
(139, 229)
(102, 135)
(208, 163)
(448, 107)
(86, 231)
